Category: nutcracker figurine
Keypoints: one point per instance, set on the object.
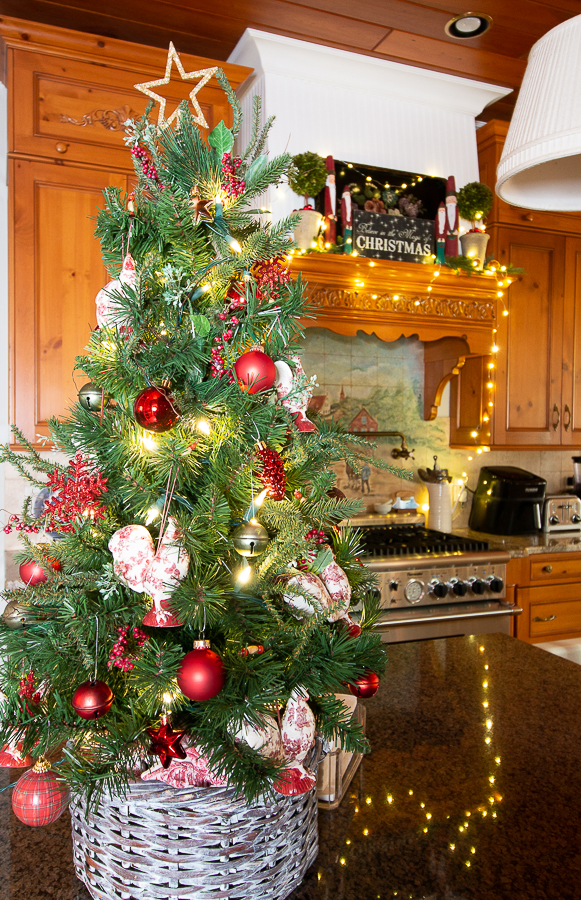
(347, 220)
(441, 234)
(330, 202)
(451, 245)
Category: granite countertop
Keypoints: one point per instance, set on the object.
(457, 800)
(528, 544)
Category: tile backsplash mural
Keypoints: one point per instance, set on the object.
(370, 386)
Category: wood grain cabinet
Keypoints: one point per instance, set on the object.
(69, 94)
(548, 588)
(537, 374)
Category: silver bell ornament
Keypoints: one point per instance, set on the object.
(91, 397)
(250, 538)
(17, 615)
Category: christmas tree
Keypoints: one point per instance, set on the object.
(188, 589)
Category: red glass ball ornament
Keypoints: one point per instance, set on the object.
(92, 699)
(38, 798)
(366, 686)
(32, 573)
(255, 371)
(154, 410)
(201, 675)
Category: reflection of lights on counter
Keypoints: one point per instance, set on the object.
(390, 798)
(425, 830)
(484, 813)
(485, 704)
(356, 809)
(422, 805)
(366, 831)
(452, 846)
(343, 861)
(484, 684)
(491, 779)
(368, 800)
(486, 741)
(489, 724)
(468, 863)
(428, 815)
(486, 667)
(410, 792)
(481, 649)
(460, 828)
(494, 815)
(497, 760)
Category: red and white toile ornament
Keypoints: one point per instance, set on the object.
(108, 312)
(266, 740)
(168, 567)
(339, 590)
(298, 738)
(133, 551)
(11, 752)
(294, 390)
(319, 599)
(193, 771)
(38, 797)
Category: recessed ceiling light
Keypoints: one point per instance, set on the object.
(468, 25)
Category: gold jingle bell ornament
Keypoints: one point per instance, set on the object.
(91, 397)
(250, 538)
(17, 615)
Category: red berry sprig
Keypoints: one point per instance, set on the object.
(147, 166)
(119, 656)
(27, 691)
(272, 472)
(316, 535)
(16, 523)
(234, 185)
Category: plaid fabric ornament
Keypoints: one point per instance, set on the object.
(38, 798)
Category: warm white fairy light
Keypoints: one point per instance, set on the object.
(244, 574)
(203, 426)
(149, 442)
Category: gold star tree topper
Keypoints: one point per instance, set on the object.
(203, 74)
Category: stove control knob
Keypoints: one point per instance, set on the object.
(477, 586)
(496, 585)
(460, 588)
(440, 589)
(554, 520)
(575, 519)
(393, 585)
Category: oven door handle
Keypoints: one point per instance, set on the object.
(454, 617)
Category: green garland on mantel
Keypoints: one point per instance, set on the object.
(464, 265)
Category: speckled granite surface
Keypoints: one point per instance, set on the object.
(422, 819)
(527, 544)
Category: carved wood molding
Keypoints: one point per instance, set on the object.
(111, 119)
(322, 297)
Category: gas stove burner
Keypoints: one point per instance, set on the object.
(411, 540)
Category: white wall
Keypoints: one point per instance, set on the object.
(360, 109)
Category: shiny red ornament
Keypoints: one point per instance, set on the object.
(32, 572)
(92, 699)
(155, 410)
(165, 743)
(272, 474)
(366, 686)
(38, 797)
(353, 629)
(201, 675)
(255, 371)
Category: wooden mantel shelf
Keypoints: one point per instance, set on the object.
(455, 318)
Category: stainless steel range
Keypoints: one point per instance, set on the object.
(434, 584)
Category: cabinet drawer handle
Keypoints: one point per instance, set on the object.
(548, 619)
(568, 414)
(528, 217)
(556, 423)
(61, 147)
(547, 568)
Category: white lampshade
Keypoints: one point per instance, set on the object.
(540, 167)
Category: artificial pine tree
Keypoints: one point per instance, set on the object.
(199, 503)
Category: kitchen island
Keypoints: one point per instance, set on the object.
(472, 790)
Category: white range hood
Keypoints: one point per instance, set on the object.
(360, 109)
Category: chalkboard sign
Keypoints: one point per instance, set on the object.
(382, 236)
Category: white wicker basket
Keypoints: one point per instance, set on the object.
(163, 843)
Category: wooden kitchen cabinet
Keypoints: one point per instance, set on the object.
(69, 94)
(548, 588)
(537, 374)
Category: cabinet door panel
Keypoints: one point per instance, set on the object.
(56, 273)
(528, 402)
(571, 430)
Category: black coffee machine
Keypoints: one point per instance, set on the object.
(507, 500)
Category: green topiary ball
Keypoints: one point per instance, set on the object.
(474, 201)
(307, 174)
